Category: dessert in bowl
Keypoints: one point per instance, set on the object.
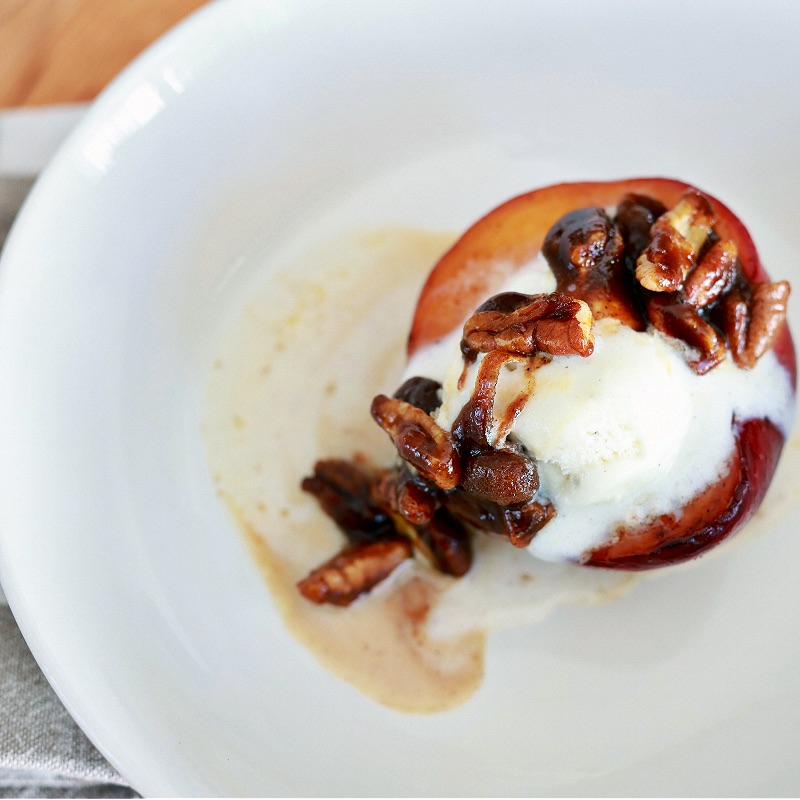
(130, 581)
(598, 372)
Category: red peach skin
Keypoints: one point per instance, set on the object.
(511, 235)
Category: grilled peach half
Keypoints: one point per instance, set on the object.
(511, 235)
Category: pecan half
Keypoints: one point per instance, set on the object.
(345, 492)
(522, 523)
(501, 476)
(446, 543)
(412, 499)
(555, 323)
(519, 523)
(751, 318)
(713, 276)
(419, 440)
(354, 571)
(676, 239)
(681, 321)
(733, 316)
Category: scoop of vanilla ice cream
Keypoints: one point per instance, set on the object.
(623, 435)
(600, 426)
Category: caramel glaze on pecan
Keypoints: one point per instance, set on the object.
(694, 290)
(752, 316)
(706, 345)
(385, 515)
(676, 239)
(713, 276)
(521, 324)
(585, 251)
(419, 440)
(649, 265)
(354, 571)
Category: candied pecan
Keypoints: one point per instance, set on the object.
(345, 492)
(676, 239)
(767, 315)
(713, 276)
(504, 303)
(751, 318)
(585, 252)
(354, 571)
(501, 476)
(552, 323)
(419, 440)
(446, 543)
(420, 392)
(413, 500)
(680, 321)
(523, 522)
(415, 503)
(518, 523)
(733, 316)
(635, 215)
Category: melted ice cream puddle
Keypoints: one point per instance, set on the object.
(292, 383)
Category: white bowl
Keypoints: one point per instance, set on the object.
(253, 131)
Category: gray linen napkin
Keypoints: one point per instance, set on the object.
(43, 753)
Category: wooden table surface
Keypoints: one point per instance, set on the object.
(63, 51)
